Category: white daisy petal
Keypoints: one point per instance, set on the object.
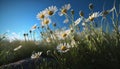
(78, 21)
(17, 48)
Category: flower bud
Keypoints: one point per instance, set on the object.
(48, 52)
(91, 6)
(104, 13)
(54, 24)
(42, 26)
(72, 11)
(81, 13)
(51, 31)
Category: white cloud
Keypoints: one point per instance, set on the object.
(15, 36)
(8, 31)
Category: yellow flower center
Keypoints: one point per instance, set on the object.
(41, 16)
(81, 13)
(54, 24)
(50, 12)
(64, 11)
(37, 56)
(34, 27)
(64, 35)
(63, 48)
(91, 18)
(46, 21)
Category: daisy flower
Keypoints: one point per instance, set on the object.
(64, 9)
(34, 27)
(62, 34)
(48, 52)
(58, 34)
(72, 12)
(81, 13)
(36, 55)
(91, 6)
(17, 48)
(46, 21)
(65, 34)
(51, 10)
(93, 16)
(63, 47)
(41, 15)
(78, 21)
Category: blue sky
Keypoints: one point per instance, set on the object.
(18, 16)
